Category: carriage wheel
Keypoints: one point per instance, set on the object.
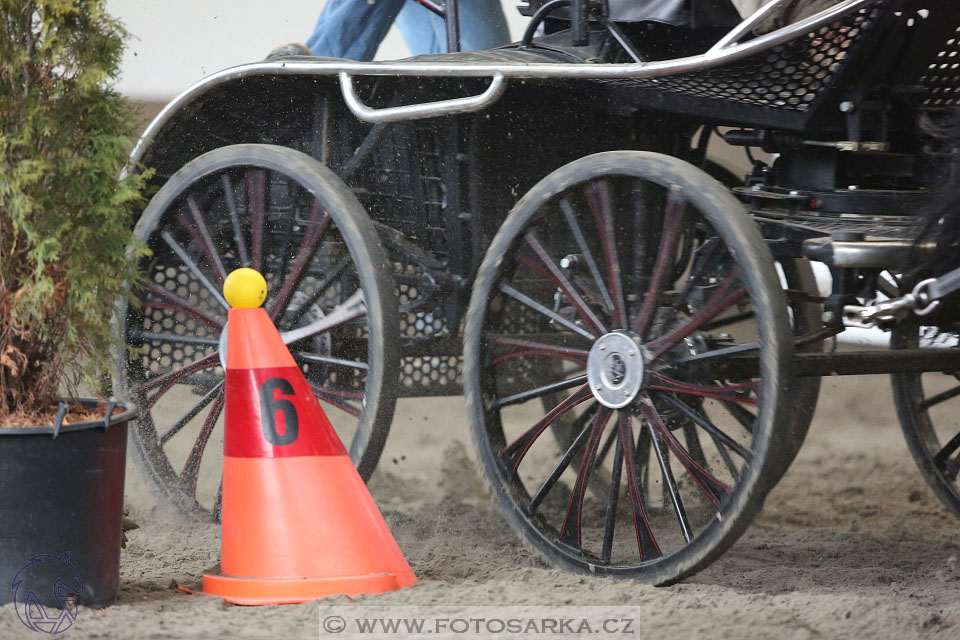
(636, 287)
(284, 214)
(927, 405)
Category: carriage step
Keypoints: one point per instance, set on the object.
(854, 250)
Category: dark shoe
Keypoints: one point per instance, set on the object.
(289, 50)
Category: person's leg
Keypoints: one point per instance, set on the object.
(422, 30)
(352, 29)
(482, 26)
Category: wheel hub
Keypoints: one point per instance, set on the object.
(615, 369)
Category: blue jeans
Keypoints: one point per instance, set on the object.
(354, 29)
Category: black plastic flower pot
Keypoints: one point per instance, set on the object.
(61, 507)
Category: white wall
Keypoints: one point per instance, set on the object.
(177, 42)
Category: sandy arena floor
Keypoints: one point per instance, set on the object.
(851, 544)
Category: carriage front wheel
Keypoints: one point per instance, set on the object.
(635, 289)
(284, 214)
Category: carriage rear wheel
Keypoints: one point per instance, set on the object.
(284, 214)
(927, 405)
(636, 288)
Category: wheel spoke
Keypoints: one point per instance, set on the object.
(352, 307)
(584, 423)
(599, 200)
(741, 414)
(726, 295)
(192, 467)
(670, 483)
(514, 452)
(211, 360)
(536, 306)
(539, 392)
(308, 245)
(549, 270)
(646, 543)
(714, 431)
(182, 254)
(202, 235)
(181, 305)
(303, 356)
(331, 276)
(613, 497)
(235, 220)
(256, 200)
(331, 398)
(942, 457)
(529, 348)
(168, 337)
(673, 219)
(191, 414)
(729, 393)
(571, 219)
(714, 489)
(940, 397)
(570, 531)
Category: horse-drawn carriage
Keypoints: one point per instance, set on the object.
(637, 330)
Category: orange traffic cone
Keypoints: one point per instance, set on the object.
(298, 521)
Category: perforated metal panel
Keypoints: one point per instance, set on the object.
(942, 76)
(789, 76)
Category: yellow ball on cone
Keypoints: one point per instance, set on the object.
(245, 289)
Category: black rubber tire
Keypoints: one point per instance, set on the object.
(770, 446)
(926, 435)
(347, 234)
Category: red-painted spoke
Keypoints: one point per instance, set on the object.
(528, 348)
(727, 294)
(673, 219)
(211, 360)
(205, 239)
(179, 304)
(713, 488)
(718, 435)
(256, 200)
(311, 239)
(599, 200)
(190, 414)
(646, 543)
(172, 381)
(729, 393)
(581, 426)
(552, 273)
(570, 531)
(336, 399)
(192, 467)
(514, 452)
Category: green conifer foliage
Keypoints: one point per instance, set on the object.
(66, 216)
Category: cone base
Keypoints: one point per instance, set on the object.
(260, 591)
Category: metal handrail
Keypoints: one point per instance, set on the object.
(423, 110)
(731, 51)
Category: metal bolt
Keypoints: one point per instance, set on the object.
(603, 347)
(626, 393)
(852, 187)
(847, 106)
(828, 316)
(631, 352)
